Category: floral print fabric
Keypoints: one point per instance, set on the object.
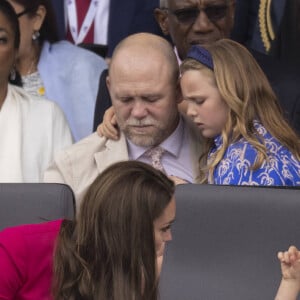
(281, 168)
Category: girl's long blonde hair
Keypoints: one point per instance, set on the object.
(249, 96)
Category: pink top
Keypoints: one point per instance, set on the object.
(26, 257)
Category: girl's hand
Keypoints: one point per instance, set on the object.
(290, 264)
(109, 127)
(177, 180)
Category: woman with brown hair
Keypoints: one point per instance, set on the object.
(110, 251)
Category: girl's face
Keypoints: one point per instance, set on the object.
(205, 107)
(7, 48)
(162, 227)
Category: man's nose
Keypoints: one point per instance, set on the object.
(139, 110)
(203, 23)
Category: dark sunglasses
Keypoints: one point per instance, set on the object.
(24, 12)
(188, 16)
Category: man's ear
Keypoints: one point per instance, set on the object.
(39, 17)
(179, 97)
(161, 17)
(107, 82)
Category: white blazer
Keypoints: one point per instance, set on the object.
(41, 131)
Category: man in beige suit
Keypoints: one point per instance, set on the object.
(143, 84)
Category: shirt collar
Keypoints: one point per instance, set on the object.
(177, 55)
(172, 144)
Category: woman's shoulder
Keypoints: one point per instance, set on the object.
(28, 229)
(26, 257)
(34, 104)
(63, 48)
(63, 59)
(17, 235)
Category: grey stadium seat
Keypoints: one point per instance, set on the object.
(225, 242)
(25, 203)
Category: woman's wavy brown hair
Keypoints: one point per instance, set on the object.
(109, 252)
(249, 96)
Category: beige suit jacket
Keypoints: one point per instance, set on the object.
(80, 164)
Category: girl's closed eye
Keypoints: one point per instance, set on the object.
(199, 101)
(196, 100)
(166, 228)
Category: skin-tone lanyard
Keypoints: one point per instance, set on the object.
(79, 35)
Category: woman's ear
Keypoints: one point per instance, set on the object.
(39, 17)
(161, 17)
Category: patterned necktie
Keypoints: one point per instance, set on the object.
(155, 155)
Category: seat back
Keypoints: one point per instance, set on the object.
(26, 203)
(225, 242)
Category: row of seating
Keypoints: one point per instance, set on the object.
(225, 238)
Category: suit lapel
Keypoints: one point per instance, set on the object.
(113, 151)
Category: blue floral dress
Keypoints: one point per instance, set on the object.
(282, 168)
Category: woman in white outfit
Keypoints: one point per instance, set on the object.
(31, 129)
